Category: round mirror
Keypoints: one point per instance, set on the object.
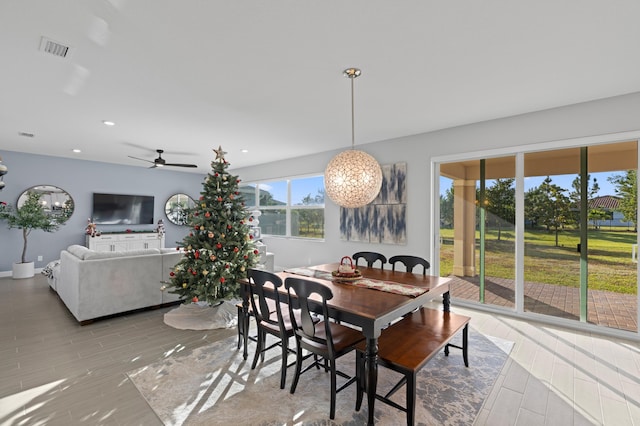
(177, 207)
(55, 201)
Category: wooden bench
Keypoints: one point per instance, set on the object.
(407, 345)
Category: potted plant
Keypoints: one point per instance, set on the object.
(29, 216)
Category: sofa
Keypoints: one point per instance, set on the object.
(94, 284)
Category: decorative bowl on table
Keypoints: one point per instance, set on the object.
(346, 270)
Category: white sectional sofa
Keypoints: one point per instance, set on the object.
(95, 284)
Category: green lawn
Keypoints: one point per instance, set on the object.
(609, 261)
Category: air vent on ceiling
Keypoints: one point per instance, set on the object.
(54, 48)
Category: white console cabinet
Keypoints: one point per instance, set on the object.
(125, 241)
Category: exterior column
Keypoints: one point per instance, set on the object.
(464, 227)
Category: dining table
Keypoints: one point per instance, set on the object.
(371, 300)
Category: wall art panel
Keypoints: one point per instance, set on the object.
(384, 220)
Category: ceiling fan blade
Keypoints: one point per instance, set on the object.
(141, 159)
(181, 165)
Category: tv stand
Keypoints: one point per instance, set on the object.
(125, 241)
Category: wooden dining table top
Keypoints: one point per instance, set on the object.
(371, 308)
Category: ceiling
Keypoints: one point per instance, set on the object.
(266, 76)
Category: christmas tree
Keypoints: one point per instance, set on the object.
(219, 249)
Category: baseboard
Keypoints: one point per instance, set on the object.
(9, 273)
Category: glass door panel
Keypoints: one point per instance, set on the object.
(477, 238)
(611, 295)
(499, 201)
(579, 257)
(552, 233)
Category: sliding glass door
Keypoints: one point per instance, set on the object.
(578, 217)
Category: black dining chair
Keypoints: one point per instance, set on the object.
(370, 257)
(272, 317)
(409, 263)
(326, 339)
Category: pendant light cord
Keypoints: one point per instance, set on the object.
(353, 120)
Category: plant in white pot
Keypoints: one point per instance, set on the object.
(29, 216)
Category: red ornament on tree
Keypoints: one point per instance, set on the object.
(195, 299)
(219, 199)
(236, 249)
(222, 279)
(218, 246)
(196, 254)
(207, 214)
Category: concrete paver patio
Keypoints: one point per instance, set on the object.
(604, 308)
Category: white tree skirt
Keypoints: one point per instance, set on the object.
(201, 316)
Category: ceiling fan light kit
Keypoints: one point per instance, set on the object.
(352, 178)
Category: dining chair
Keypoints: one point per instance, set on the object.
(240, 325)
(325, 338)
(370, 257)
(409, 263)
(272, 317)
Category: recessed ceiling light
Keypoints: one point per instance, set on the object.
(244, 151)
(76, 150)
(108, 123)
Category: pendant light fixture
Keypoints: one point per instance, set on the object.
(352, 178)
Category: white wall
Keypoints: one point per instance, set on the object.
(612, 115)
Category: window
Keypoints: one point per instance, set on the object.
(290, 207)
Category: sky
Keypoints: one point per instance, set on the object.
(564, 181)
(300, 188)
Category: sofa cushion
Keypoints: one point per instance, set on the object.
(78, 250)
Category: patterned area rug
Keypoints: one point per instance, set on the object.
(214, 385)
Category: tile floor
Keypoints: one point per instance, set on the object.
(55, 372)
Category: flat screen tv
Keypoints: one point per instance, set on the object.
(120, 209)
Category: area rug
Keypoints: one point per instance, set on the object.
(213, 385)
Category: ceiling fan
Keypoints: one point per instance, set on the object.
(161, 162)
